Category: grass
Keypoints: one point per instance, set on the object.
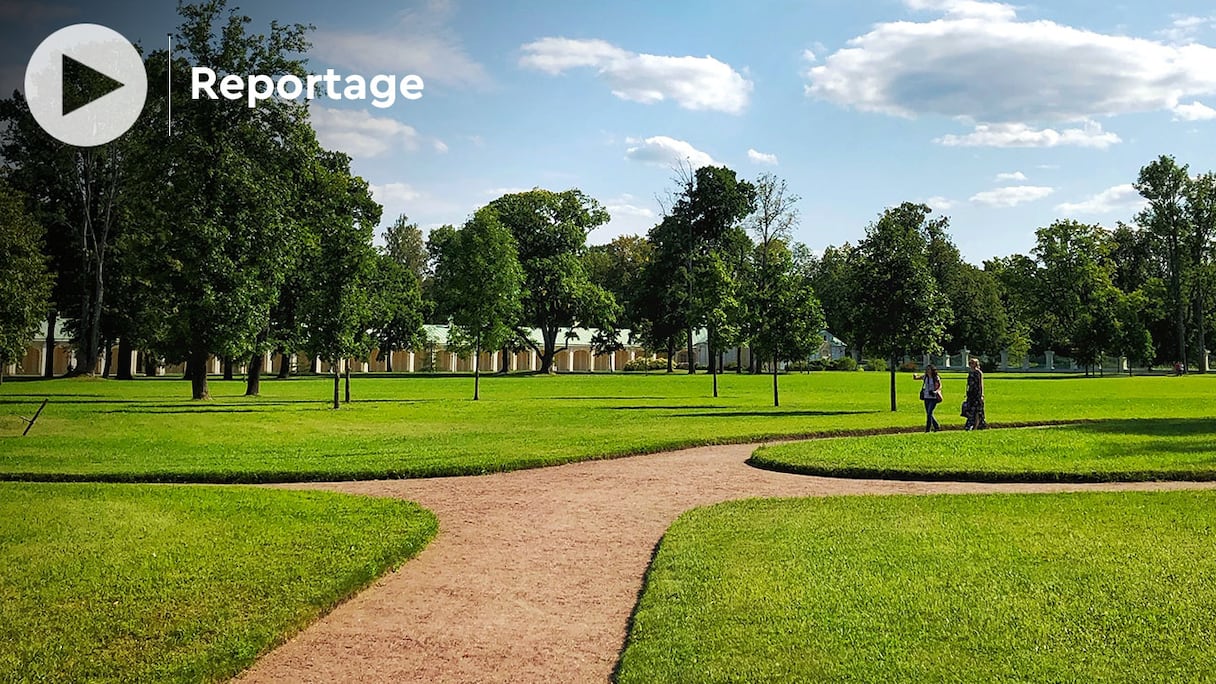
(104, 582)
(1109, 451)
(148, 430)
(1077, 587)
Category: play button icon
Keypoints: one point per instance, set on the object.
(86, 85)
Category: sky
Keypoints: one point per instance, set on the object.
(1004, 117)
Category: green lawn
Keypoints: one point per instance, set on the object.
(1110, 451)
(1059, 588)
(417, 426)
(105, 582)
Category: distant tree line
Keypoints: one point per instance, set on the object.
(239, 235)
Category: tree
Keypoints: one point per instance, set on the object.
(396, 307)
(775, 291)
(1081, 314)
(708, 211)
(478, 286)
(220, 238)
(1163, 183)
(550, 232)
(336, 306)
(788, 313)
(658, 300)
(899, 306)
(403, 242)
(619, 267)
(833, 277)
(25, 284)
(1201, 214)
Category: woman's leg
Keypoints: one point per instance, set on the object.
(929, 404)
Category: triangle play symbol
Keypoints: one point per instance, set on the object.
(83, 84)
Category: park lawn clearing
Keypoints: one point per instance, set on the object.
(1059, 587)
(418, 426)
(103, 582)
(1109, 451)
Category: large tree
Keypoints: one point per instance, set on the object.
(618, 267)
(25, 284)
(787, 314)
(218, 197)
(550, 232)
(1201, 213)
(1081, 305)
(1164, 184)
(899, 306)
(478, 282)
(397, 308)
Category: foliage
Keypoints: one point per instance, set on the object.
(550, 233)
(1063, 587)
(619, 268)
(478, 282)
(138, 583)
(25, 285)
(876, 365)
(844, 363)
(645, 364)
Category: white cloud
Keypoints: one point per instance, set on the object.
(1195, 111)
(980, 62)
(1012, 196)
(969, 9)
(626, 206)
(761, 157)
(360, 134)
(1184, 29)
(1021, 135)
(396, 195)
(810, 56)
(661, 150)
(630, 216)
(1016, 176)
(416, 42)
(698, 83)
(938, 203)
(1120, 198)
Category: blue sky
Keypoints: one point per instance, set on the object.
(1003, 117)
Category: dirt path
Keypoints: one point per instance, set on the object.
(534, 573)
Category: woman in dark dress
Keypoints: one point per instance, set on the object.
(974, 407)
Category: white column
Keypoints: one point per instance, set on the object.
(966, 360)
(612, 362)
(633, 355)
(494, 359)
(409, 361)
(569, 361)
(41, 360)
(214, 363)
(1051, 360)
(365, 366)
(532, 360)
(452, 361)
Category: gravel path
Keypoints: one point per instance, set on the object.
(534, 573)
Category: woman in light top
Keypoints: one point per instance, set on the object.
(931, 394)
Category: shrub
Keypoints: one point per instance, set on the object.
(646, 365)
(908, 367)
(876, 365)
(844, 363)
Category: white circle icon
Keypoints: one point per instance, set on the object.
(86, 85)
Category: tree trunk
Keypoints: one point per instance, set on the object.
(549, 349)
(388, 362)
(776, 396)
(52, 319)
(108, 366)
(150, 364)
(477, 370)
(671, 354)
(228, 364)
(692, 361)
(253, 378)
(892, 383)
(506, 361)
(196, 369)
(347, 364)
(124, 359)
(284, 365)
(334, 370)
(738, 360)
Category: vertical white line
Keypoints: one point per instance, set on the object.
(170, 72)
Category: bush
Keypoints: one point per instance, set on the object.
(844, 363)
(646, 365)
(908, 367)
(876, 365)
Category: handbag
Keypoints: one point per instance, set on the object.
(966, 410)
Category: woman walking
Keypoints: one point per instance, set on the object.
(973, 407)
(931, 394)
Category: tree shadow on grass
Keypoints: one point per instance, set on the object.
(1155, 427)
(715, 412)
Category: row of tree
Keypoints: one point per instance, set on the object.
(237, 234)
